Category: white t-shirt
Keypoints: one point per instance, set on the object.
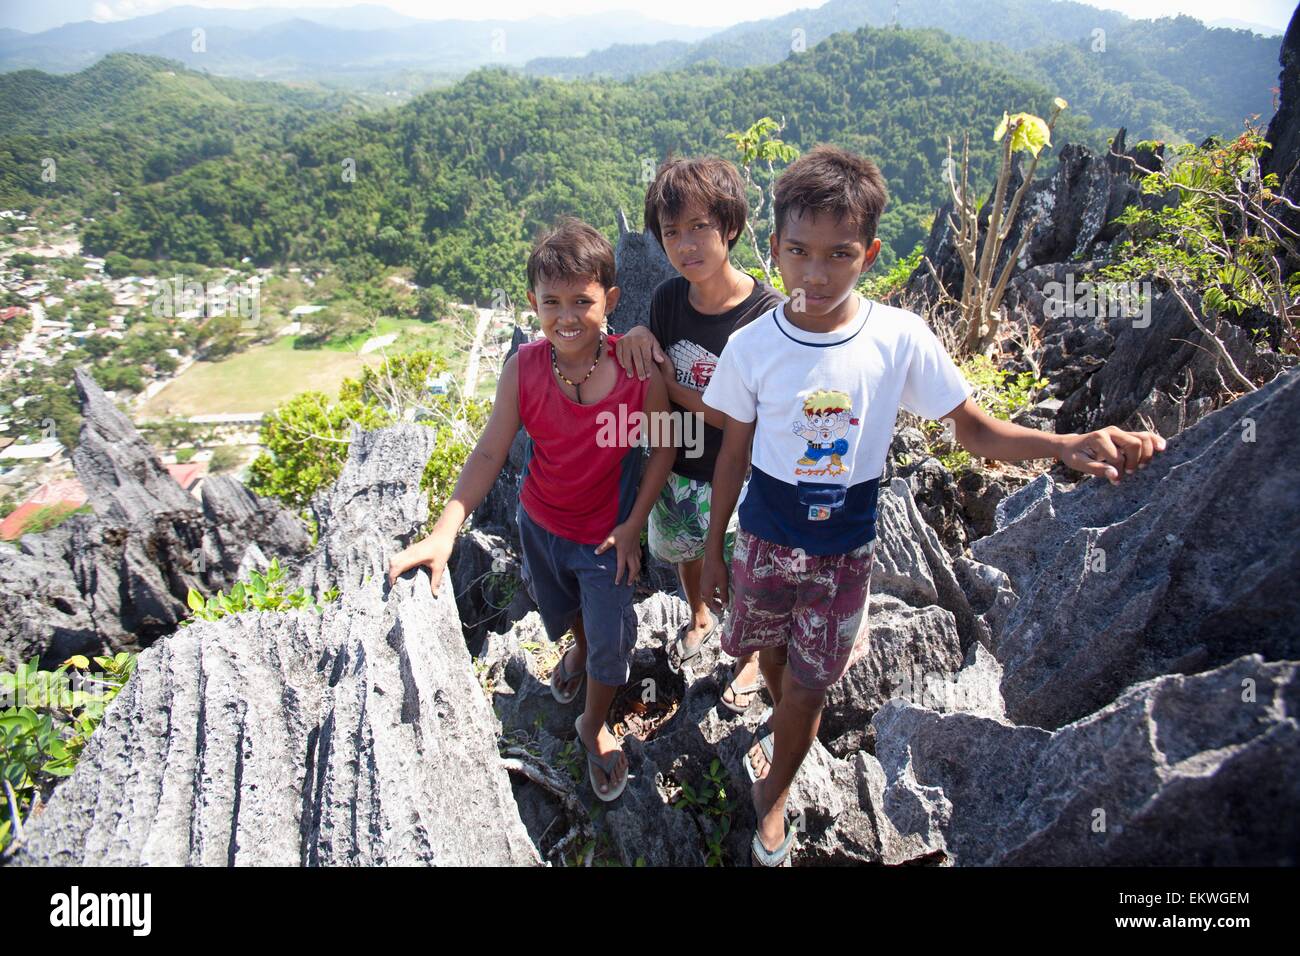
(826, 404)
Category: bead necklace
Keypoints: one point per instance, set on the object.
(555, 364)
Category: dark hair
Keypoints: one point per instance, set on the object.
(828, 179)
(709, 183)
(572, 249)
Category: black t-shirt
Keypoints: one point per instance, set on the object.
(693, 341)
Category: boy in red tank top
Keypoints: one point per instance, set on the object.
(584, 500)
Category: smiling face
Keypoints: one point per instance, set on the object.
(823, 257)
(694, 243)
(825, 425)
(572, 312)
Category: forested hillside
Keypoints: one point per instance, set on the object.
(1171, 79)
(132, 120)
(459, 181)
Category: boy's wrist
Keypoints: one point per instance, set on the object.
(441, 537)
(713, 548)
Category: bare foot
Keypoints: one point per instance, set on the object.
(605, 745)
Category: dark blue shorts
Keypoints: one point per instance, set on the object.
(565, 578)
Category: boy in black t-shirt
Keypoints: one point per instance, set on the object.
(696, 209)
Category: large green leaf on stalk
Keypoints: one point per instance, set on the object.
(1028, 132)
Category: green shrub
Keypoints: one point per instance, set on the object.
(714, 807)
(46, 726)
(880, 286)
(266, 592)
(1001, 393)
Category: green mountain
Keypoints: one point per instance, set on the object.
(1171, 79)
(130, 120)
(459, 181)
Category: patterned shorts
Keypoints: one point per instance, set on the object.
(679, 521)
(814, 605)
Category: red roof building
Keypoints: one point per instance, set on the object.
(65, 491)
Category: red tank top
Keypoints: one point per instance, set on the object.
(575, 485)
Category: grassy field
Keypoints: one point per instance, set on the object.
(266, 376)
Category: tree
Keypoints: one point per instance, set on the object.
(1224, 233)
(981, 290)
(761, 144)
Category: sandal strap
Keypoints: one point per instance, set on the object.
(607, 764)
(679, 643)
(774, 857)
(564, 675)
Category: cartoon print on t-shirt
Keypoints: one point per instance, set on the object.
(827, 415)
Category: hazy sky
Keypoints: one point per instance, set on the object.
(42, 14)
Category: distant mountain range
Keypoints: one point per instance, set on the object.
(1172, 78)
(368, 46)
(324, 44)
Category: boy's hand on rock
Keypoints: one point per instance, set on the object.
(714, 584)
(433, 552)
(1109, 452)
(626, 539)
(637, 350)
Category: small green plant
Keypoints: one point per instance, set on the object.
(263, 592)
(313, 526)
(1001, 393)
(878, 287)
(568, 761)
(47, 725)
(715, 809)
(499, 589)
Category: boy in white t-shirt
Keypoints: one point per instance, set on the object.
(815, 385)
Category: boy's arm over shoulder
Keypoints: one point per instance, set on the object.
(641, 347)
(656, 396)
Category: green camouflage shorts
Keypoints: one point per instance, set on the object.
(679, 522)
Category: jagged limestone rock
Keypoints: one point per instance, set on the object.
(359, 736)
(1178, 771)
(642, 265)
(1182, 566)
(117, 579)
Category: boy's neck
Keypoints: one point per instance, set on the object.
(844, 314)
(713, 295)
(578, 365)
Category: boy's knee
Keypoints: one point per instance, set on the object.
(772, 656)
(807, 699)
